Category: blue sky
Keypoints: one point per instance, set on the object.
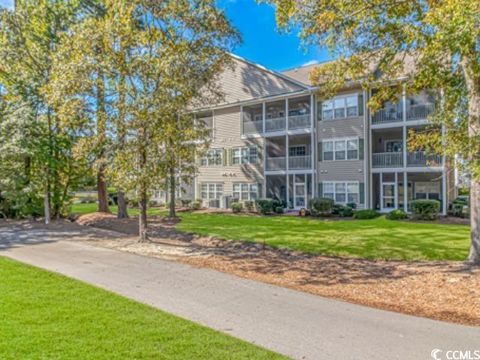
(262, 43)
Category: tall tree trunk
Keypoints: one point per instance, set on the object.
(122, 206)
(101, 140)
(143, 201)
(172, 189)
(473, 86)
(46, 202)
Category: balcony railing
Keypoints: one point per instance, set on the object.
(298, 121)
(420, 159)
(387, 160)
(276, 124)
(252, 127)
(384, 116)
(275, 163)
(299, 162)
(419, 111)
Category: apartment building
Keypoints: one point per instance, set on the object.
(272, 136)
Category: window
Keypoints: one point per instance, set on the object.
(245, 191)
(300, 150)
(342, 149)
(340, 107)
(211, 191)
(246, 155)
(342, 192)
(214, 157)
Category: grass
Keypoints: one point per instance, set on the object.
(82, 209)
(48, 316)
(372, 239)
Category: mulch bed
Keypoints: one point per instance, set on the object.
(442, 290)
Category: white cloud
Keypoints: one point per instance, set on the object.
(311, 62)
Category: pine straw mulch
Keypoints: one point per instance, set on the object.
(442, 290)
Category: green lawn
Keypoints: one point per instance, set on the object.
(47, 316)
(82, 209)
(373, 239)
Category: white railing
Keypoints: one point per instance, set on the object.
(420, 159)
(277, 124)
(299, 162)
(419, 111)
(383, 116)
(275, 163)
(252, 127)
(387, 160)
(298, 121)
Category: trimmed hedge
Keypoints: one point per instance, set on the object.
(268, 206)
(236, 207)
(366, 214)
(321, 206)
(425, 209)
(397, 214)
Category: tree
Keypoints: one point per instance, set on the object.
(28, 40)
(427, 44)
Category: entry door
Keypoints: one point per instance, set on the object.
(299, 191)
(389, 196)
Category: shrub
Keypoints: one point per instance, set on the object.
(236, 207)
(321, 206)
(425, 209)
(352, 205)
(397, 214)
(366, 214)
(186, 202)
(346, 211)
(196, 205)
(133, 203)
(249, 206)
(279, 210)
(278, 203)
(265, 206)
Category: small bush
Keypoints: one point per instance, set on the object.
(152, 203)
(196, 205)
(366, 214)
(133, 203)
(186, 202)
(352, 205)
(265, 206)
(236, 207)
(346, 211)
(279, 210)
(425, 209)
(249, 206)
(397, 214)
(278, 203)
(321, 206)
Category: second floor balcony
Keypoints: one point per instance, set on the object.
(414, 159)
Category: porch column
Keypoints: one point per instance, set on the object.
(444, 191)
(405, 191)
(264, 157)
(263, 117)
(287, 192)
(286, 114)
(404, 146)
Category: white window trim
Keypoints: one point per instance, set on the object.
(241, 191)
(207, 159)
(215, 192)
(298, 146)
(241, 156)
(390, 141)
(346, 190)
(344, 97)
(346, 140)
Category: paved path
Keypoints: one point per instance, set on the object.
(296, 324)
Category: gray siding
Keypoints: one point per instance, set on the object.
(341, 170)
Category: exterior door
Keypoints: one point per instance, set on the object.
(299, 191)
(389, 196)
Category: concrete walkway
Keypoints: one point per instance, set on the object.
(296, 324)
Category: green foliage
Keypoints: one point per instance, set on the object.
(265, 206)
(237, 207)
(366, 214)
(196, 205)
(397, 214)
(279, 209)
(425, 209)
(321, 206)
(249, 205)
(345, 211)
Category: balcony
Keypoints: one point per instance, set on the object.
(298, 121)
(421, 159)
(385, 116)
(252, 127)
(275, 163)
(387, 160)
(300, 162)
(277, 124)
(419, 111)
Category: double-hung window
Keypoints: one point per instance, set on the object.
(211, 191)
(342, 192)
(340, 107)
(214, 157)
(297, 150)
(245, 191)
(341, 149)
(245, 155)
